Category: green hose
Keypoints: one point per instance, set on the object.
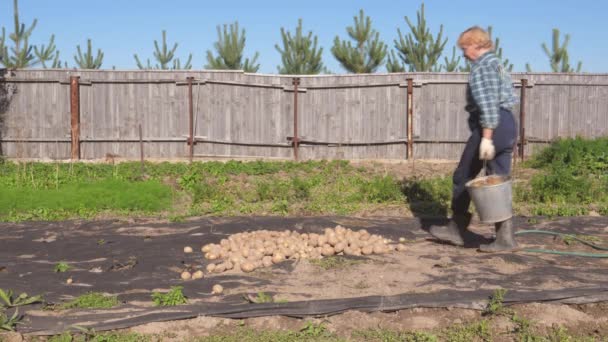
(551, 251)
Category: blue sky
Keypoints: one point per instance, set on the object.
(122, 28)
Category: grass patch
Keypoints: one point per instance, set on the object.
(476, 331)
(83, 199)
(91, 300)
(309, 332)
(102, 337)
(174, 297)
(386, 335)
(334, 262)
(573, 179)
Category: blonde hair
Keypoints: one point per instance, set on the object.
(475, 36)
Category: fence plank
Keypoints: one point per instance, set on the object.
(236, 107)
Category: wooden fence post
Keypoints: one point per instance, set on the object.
(190, 119)
(522, 118)
(296, 82)
(410, 118)
(75, 116)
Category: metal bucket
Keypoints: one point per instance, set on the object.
(492, 196)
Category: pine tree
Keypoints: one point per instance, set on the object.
(86, 60)
(164, 56)
(229, 47)
(451, 64)
(393, 64)
(299, 54)
(3, 51)
(419, 50)
(369, 52)
(558, 57)
(48, 53)
(20, 54)
(497, 50)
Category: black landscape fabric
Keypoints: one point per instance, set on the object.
(131, 259)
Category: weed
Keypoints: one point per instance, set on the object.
(22, 299)
(9, 323)
(91, 300)
(61, 267)
(101, 337)
(334, 262)
(311, 329)
(174, 297)
(495, 305)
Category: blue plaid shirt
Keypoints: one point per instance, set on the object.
(490, 88)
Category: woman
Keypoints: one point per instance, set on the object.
(490, 97)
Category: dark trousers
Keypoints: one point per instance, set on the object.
(470, 165)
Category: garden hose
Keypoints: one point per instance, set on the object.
(570, 236)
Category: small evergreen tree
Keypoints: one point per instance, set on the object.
(229, 47)
(164, 56)
(369, 52)
(21, 54)
(393, 64)
(558, 57)
(451, 64)
(419, 50)
(48, 53)
(86, 60)
(299, 54)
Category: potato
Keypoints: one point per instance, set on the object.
(278, 257)
(367, 250)
(197, 275)
(217, 289)
(187, 249)
(247, 266)
(210, 268)
(186, 275)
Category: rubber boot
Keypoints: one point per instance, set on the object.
(505, 238)
(454, 233)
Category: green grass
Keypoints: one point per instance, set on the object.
(385, 335)
(103, 337)
(83, 199)
(309, 332)
(573, 180)
(91, 300)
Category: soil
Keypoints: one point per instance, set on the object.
(581, 320)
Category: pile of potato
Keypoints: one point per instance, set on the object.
(251, 250)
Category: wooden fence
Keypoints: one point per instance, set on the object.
(91, 114)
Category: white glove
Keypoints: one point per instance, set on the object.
(486, 149)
